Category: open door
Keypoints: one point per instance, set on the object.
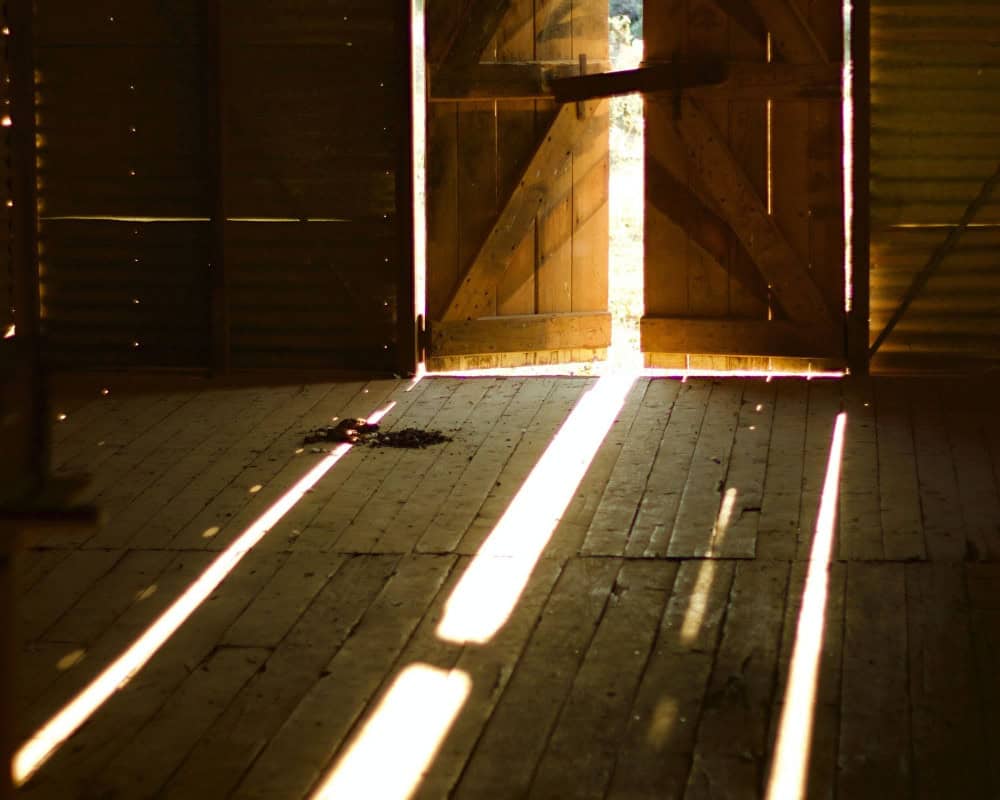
(745, 246)
(517, 186)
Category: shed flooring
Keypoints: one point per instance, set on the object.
(648, 654)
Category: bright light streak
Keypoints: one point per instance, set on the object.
(603, 368)
(40, 747)
(494, 581)
(847, 121)
(389, 757)
(10, 332)
(694, 615)
(791, 755)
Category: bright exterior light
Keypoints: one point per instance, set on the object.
(40, 747)
(395, 747)
(794, 743)
(494, 581)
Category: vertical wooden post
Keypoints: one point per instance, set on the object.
(32, 400)
(218, 281)
(406, 322)
(857, 326)
(24, 228)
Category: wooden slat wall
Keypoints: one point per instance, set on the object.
(700, 271)
(313, 125)
(935, 142)
(121, 135)
(476, 152)
(315, 103)
(6, 266)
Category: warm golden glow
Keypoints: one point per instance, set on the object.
(494, 581)
(389, 756)
(790, 763)
(10, 332)
(694, 616)
(40, 747)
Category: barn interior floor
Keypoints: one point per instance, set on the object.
(647, 653)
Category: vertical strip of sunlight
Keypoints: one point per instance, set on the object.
(47, 739)
(418, 69)
(790, 763)
(399, 741)
(847, 94)
(494, 581)
(694, 615)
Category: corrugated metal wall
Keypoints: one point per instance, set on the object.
(121, 137)
(935, 143)
(314, 99)
(315, 118)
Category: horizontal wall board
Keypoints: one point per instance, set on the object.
(727, 336)
(519, 333)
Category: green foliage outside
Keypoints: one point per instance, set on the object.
(631, 9)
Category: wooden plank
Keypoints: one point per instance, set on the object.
(58, 591)
(446, 475)
(736, 536)
(981, 581)
(979, 501)
(229, 747)
(658, 743)
(874, 755)
(747, 215)
(778, 532)
(371, 530)
(699, 523)
(611, 525)
(215, 104)
(821, 777)
(347, 684)
(541, 187)
(734, 336)
(791, 34)
(657, 514)
(139, 701)
(732, 732)
(504, 759)
(596, 712)
(859, 511)
(899, 490)
(109, 597)
(477, 27)
(944, 532)
(155, 752)
(825, 403)
(466, 497)
(522, 332)
(523, 458)
(442, 206)
(949, 751)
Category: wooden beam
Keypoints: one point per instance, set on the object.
(407, 353)
(744, 16)
(937, 257)
(215, 135)
(474, 33)
(24, 250)
(488, 335)
(506, 81)
(858, 318)
(659, 78)
(710, 232)
(715, 80)
(736, 337)
(791, 35)
(545, 180)
(744, 212)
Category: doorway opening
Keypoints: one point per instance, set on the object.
(626, 190)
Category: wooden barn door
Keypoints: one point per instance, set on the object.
(744, 186)
(517, 187)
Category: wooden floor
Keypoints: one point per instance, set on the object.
(648, 654)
